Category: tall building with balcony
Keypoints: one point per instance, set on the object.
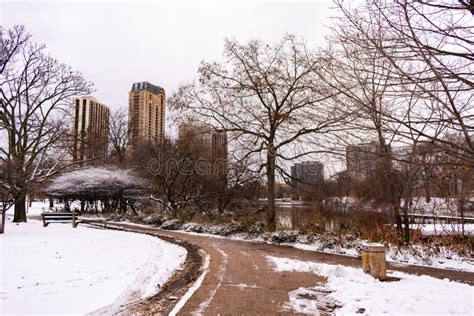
(90, 122)
(146, 112)
(306, 173)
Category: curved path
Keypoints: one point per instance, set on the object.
(240, 280)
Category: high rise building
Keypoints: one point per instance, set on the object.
(306, 173)
(146, 112)
(212, 138)
(363, 159)
(90, 121)
(219, 144)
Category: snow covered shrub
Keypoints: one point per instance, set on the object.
(115, 218)
(256, 229)
(171, 224)
(327, 241)
(115, 188)
(284, 236)
(227, 229)
(153, 219)
(266, 236)
(305, 238)
(194, 227)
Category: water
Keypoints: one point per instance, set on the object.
(293, 216)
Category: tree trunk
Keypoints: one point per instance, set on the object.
(4, 214)
(20, 208)
(271, 188)
(51, 203)
(461, 212)
(406, 229)
(122, 205)
(398, 218)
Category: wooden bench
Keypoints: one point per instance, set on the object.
(56, 217)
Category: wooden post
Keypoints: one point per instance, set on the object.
(373, 261)
(74, 223)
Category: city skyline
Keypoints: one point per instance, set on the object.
(142, 142)
(120, 49)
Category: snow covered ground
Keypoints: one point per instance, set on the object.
(443, 257)
(39, 206)
(36, 208)
(59, 269)
(357, 292)
(443, 229)
(415, 255)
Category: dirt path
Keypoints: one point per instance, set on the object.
(240, 280)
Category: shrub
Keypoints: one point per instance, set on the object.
(194, 227)
(284, 236)
(171, 224)
(153, 219)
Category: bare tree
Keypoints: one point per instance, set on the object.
(6, 197)
(429, 49)
(35, 92)
(118, 133)
(177, 173)
(269, 100)
(408, 65)
(365, 81)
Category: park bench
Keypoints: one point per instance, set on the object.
(56, 217)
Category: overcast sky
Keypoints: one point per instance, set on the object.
(117, 43)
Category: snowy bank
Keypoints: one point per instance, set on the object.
(429, 255)
(420, 255)
(357, 292)
(59, 269)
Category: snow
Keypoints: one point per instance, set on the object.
(220, 275)
(192, 289)
(36, 208)
(100, 180)
(59, 269)
(443, 229)
(357, 291)
(439, 257)
(415, 255)
(436, 205)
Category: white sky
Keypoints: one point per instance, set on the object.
(117, 43)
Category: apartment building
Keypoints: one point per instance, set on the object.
(90, 121)
(146, 112)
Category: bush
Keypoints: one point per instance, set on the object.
(284, 236)
(153, 219)
(256, 229)
(171, 224)
(194, 227)
(227, 229)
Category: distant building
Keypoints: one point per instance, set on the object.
(306, 173)
(362, 159)
(146, 112)
(432, 168)
(90, 121)
(195, 131)
(215, 139)
(219, 144)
